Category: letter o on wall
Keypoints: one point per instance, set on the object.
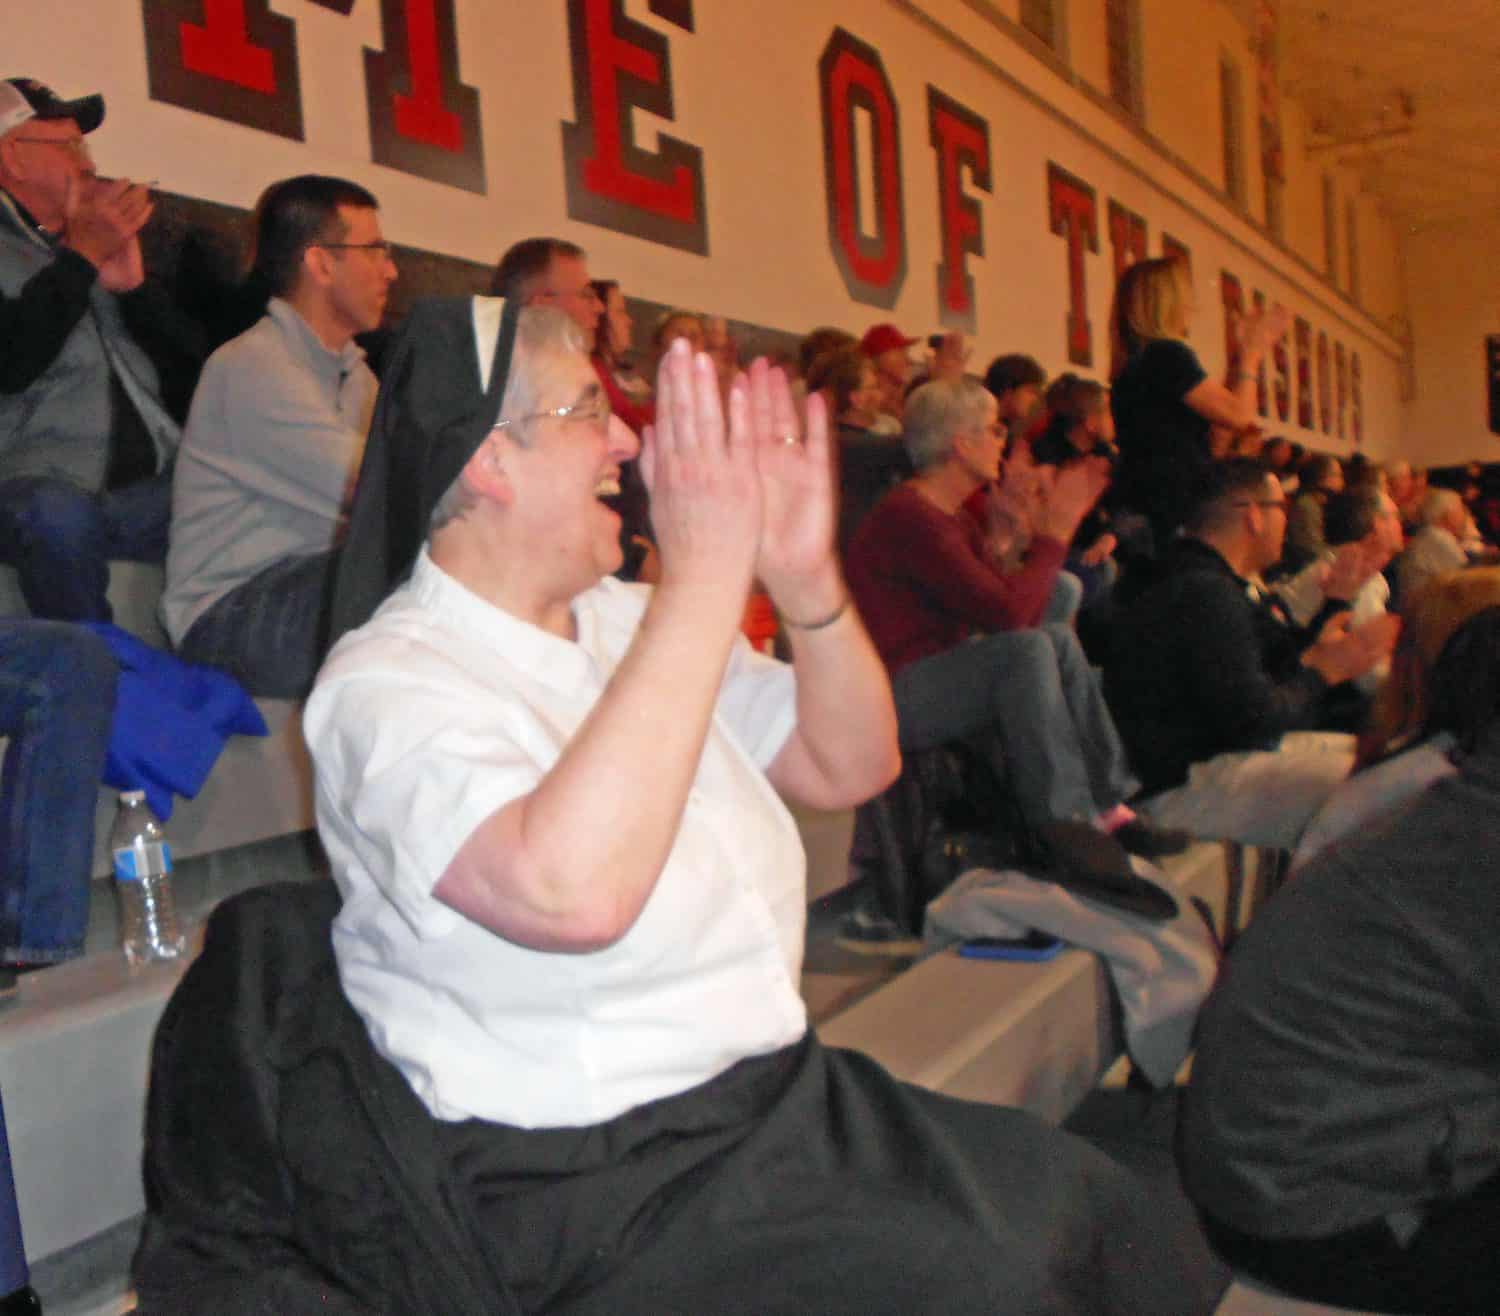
(851, 77)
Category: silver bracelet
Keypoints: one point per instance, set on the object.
(822, 623)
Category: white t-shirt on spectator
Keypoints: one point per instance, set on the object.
(430, 717)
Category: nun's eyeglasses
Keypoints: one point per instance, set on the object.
(597, 411)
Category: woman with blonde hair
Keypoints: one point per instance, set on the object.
(1164, 401)
(1413, 706)
(1444, 688)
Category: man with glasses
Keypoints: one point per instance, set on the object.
(550, 272)
(95, 369)
(274, 442)
(1207, 675)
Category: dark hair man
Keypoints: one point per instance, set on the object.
(550, 272)
(1362, 530)
(1017, 382)
(274, 442)
(86, 438)
(1206, 675)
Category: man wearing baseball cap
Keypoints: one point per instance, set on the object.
(86, 440)
(887, 347)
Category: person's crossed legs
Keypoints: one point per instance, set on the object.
(1035, 690)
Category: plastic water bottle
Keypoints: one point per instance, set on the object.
(143, 877)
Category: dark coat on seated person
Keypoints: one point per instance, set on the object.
(1199, 666)
(1342, 1128)
(291, 1169)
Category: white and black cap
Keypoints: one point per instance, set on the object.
(24, 99)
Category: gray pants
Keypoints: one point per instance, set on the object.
(1034, 693)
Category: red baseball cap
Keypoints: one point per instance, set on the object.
(882, 338)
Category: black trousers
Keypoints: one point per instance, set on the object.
(1451, 1265)
(811, 1182)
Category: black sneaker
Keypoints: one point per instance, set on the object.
(866, 932)
(1139, 837)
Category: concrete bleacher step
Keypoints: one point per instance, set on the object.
(74, 1050)
(1020, 1034)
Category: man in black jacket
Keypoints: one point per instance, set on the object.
(1206, 676)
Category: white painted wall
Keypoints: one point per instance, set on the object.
(1455, 283)
(747, 93)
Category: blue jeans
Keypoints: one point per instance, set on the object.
(1064, 601)
(60, 538)
(1034, 693)
(270, 632)
(57, 699)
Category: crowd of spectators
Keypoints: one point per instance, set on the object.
(1143, 614)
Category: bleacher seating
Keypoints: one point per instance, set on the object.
(74, 1048)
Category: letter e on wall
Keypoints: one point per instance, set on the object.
(620, 65)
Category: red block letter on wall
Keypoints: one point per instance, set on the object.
(1325, 385)
(962, 141)
(1281, 363)
(620, 65)
(1262, 393)
(1341, 379)
(233, 59)
(1356, 400)
(850, 78)
(1302, 335)
(423, 120)
(1172, 249)
(1232, 295)
(1073, 214)
(1127, 237)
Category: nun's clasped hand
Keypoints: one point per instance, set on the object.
(705, 492)
(742, 499)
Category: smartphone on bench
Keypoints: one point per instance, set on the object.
(1035, 945)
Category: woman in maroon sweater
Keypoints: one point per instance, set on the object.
(960, 637)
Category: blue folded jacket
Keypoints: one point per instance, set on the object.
(171, 720)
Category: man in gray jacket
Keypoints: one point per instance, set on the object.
(274, 442)
(86, 441)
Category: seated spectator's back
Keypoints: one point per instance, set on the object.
(1342, 1130)
(1435, 547)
